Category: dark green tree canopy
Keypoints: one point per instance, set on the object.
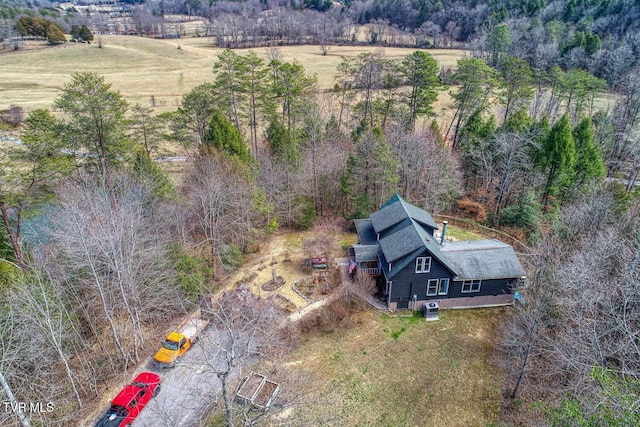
(499, 41)
(589, 163)
(558, 157)
(95, 119)
(223, 136)
(283, 146)
(420, 71)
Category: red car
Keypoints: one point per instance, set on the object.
(131, 400)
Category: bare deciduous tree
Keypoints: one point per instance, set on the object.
(220, 204)
(113, 259)
(247, 329)
(580, 311)
(427, 169)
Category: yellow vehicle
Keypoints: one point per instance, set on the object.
(178, 342)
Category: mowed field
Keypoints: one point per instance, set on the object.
(142, 68)
(393, 371)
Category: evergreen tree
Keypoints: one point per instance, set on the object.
(95, 122)
(55, 35)
(589, 163)
(85, 34)
(499, 42)
(286, 155)
(23, 189)
(284, 148)
(75, 32)
(190, 124)
(151, 175)
(290, 85)
(477, 81)
(372, 174)
(516, 84)
(228, 71)
(258, 97)
(557, 158)
(421, 75)
(225, 137)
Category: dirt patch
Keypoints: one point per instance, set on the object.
(314, 287)
(284, 255)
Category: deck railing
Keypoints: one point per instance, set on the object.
(369, 271)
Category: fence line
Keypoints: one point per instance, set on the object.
(487, 231)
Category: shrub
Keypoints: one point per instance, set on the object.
(231, 258)
(471, 209)
(192, 271)
(305, 212)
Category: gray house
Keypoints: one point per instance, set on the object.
(398, 245)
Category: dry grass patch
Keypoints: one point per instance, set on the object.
(401, 371)
(458, 233)
(142, 67)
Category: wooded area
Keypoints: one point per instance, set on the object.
(542, 144)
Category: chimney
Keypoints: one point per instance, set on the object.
(444, 231)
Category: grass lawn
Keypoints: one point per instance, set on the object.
(401, 371)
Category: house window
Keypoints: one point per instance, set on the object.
(432, 287)
(423, 264)
(471, 286)
(443, 288)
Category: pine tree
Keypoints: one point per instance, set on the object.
(589, 163)
(558, 157)
(224, 136)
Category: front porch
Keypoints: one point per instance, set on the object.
(365, 258)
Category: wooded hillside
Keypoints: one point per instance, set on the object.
(542, 143)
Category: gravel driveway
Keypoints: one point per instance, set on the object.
(188, 390)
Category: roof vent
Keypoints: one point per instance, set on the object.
(444, 232)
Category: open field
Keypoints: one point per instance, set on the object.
(141, 67)
(401, 371)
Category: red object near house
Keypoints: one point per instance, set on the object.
(319, 262)
(126, 406)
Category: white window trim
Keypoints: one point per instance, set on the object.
(435, 288)
(471, 284)
(421, 261)
(446, 288)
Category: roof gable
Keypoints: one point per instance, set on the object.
(404, 243)
(396, 210)
(421, 216)
(387, 217)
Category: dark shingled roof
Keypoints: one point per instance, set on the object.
(388, 216)
(483, 259)
(366, 235)
(419, 215)
(397, 245)
(365, 253)
(396, 210)
(404, 243)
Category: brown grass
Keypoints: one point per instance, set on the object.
(141, 67)
(386, 370)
